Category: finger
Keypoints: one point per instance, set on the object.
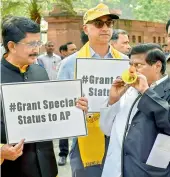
(19, 145)
(118, 82)
(21, 149)
(17, 155)
(140, 75)
(83, 99)
(135, 83)
(82, 103)
(84, 108)
(118, 77)
(20, 154)
(132, 85)
(125, 88)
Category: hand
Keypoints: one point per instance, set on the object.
(10, 152)
(118, 88)
(141, 84)
(82, 103)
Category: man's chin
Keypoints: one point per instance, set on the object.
(104, 41)
(32, 60)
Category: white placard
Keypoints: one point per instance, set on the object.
(160, 154)
(39, 111)
(97, 76)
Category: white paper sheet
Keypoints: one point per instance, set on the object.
(160, 153)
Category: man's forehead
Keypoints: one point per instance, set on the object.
(124, 37)
(138, 57)
(32, 34)
(50, 44)
(32, 37)
(106, 17)
(71, 46)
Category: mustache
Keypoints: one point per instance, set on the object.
(33, 55)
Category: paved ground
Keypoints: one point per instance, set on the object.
(64, 171)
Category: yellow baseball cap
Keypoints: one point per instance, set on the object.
(98, 11)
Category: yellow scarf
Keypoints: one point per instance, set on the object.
(22, 69)
(1, 160)
(92, 147)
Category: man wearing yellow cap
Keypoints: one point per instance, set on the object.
(88, 153)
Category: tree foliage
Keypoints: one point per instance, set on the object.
(149, 10)
(152, 10)
(33, 8)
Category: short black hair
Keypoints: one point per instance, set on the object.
(116, 32)
(167, 25)
(68, 43)
(154, 53)
(63, 48)
(15, 28)
(84, 38)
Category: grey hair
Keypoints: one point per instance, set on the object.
(116, 32)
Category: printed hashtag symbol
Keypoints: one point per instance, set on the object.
(85, 79)
(12, 107)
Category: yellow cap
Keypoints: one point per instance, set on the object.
(98, 11)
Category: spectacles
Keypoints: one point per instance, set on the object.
(137, 65)
(32, 44)
(100, 23)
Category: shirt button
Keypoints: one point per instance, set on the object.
(133, 125)
(126, 154)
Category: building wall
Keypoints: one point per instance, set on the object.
(62, 29)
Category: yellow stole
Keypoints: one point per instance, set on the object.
(92, 147)
(1, 160)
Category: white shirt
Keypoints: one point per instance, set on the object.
(50, 63)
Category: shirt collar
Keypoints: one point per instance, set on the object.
(22, 69)
(48, 55)
(153, 85)
(96, 55)
(14, 67)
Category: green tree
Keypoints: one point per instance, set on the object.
(11, 8)
(148, 10)
(66, 6)
(124, 5)
(33, 8)
(152, 10)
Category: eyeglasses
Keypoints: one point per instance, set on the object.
(32, 44)
(100, 23)
(137, 65)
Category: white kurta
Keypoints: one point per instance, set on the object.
(113, 122)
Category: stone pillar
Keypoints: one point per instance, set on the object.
(63, 28)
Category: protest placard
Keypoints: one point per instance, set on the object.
(39, 111)
(97, 77)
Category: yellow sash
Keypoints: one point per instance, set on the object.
(92, 147)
